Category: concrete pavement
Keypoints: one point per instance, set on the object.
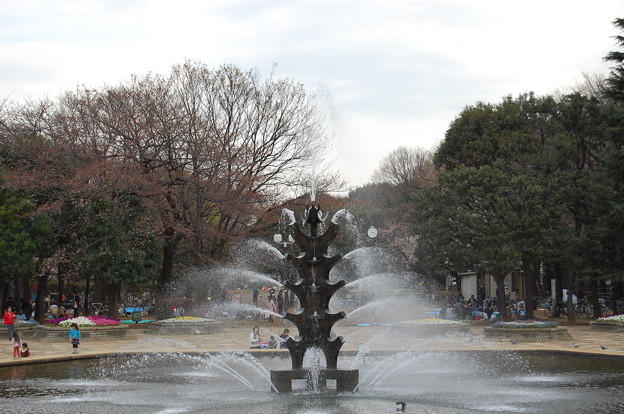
(372, 338)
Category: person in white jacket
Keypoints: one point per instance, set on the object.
(254, 338)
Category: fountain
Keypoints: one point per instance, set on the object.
(462, 374)
(315, 321)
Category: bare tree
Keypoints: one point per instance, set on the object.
(209, 150)
(406, 167)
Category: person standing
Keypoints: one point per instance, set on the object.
(254, 296)
(9, 321)
(76, 303)
(280, 303)
(17, 345)
(270, 305)
(75, 337)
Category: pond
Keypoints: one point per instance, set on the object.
(236, 382)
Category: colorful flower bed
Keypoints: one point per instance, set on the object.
(186, 319)
(83, 321)
(525, 324)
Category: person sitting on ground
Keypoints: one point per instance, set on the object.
(25, 350)
(255, 341)
(53, 310)
(283, 338)
(272, 342)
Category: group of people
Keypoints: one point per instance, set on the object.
(21, 349)
(473, 308)
(57, 309)
(256, 342)
(274, 303)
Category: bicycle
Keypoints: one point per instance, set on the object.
(563, 311)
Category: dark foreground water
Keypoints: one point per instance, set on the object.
(443, 382)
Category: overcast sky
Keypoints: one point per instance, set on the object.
(393, 72)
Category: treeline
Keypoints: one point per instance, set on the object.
(118, 185)
(531, 184)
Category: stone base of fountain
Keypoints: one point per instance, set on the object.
(346, 379)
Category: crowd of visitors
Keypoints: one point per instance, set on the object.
(477, 308)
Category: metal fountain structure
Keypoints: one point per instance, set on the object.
(314, 322)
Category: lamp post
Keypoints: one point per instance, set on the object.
(372, 232)
(279, 239)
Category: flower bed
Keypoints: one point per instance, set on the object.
(50, 333)
(525, 324)
(527, 331)
(84, 321)
(612, 323)
(430, 327)
(92, 328)
(185, 325)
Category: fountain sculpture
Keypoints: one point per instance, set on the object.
(314, 322)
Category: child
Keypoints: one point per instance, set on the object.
(17, 344)
(283, 338)
(272, 342)
(74, 337)
(25, 350)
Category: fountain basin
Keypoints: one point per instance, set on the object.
(429, 382)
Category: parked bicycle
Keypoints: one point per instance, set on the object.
(561, 307)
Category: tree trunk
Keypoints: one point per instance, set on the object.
(172, 239)
(501, 303)
(99, 290)
(557, 295)
(112, 292)
(85, 303)
(529, 284)
(593, 285)
(3, 292)
(570, 284)
(42, 282)
(618, 293)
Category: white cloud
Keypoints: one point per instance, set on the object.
(398, 70)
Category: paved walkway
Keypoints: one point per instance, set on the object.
(374, 338)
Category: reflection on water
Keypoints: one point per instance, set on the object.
(442, 382)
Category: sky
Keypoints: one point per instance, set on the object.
(389, 73)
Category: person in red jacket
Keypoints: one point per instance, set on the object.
(9, 321)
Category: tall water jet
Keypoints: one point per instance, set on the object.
(314, 322)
